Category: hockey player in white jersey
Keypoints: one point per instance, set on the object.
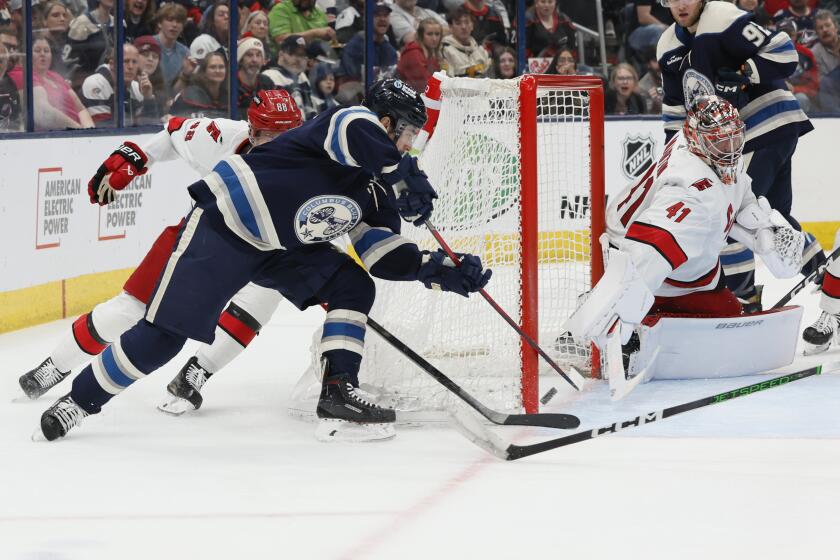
(666, 232)
(826, 329)
(201, 143)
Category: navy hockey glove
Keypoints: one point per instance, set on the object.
(438, 272)
(126, 162)
(731, 85)
(414, 192)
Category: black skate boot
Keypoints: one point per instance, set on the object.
(39, 380)
(186, 389)
(346, 414)
(818, 337)
(58, 419)
(752, 304)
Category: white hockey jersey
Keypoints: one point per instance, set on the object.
(674, 220)
(201, 143)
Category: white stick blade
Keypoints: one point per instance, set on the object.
(471, 428)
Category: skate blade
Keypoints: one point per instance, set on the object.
(22, 399)
(811, 349)
(176, 406)
(38, 435)
(341, 430)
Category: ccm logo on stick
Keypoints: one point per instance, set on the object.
(738, 325)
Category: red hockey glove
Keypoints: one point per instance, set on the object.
(127, 162)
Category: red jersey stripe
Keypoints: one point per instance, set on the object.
(661, 240)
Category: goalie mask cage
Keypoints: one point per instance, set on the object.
(518, 168)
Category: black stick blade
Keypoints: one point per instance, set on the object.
(544, 420)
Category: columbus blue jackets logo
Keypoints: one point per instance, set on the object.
(694, 84)
(324, 218)
(638, 155)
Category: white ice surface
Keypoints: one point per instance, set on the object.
(758, 477)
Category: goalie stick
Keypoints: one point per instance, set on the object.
(491, 443)
(805, 281)
(573, 377)
(545, 420)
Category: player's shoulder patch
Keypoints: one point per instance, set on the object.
(668, 42)
(717, 17)
(326, 217)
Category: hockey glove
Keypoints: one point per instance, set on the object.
(731, 85)
(438, 272)
(127, 162)
(413, 190)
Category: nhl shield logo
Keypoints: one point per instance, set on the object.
(324, 218)
(638, 155)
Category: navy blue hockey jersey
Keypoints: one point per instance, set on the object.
(726, 37)
(313, 184)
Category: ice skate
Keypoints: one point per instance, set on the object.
(41, 379)
(185, 389)
(752, 304)
(819, 336)
(58, 419)
(346, 414)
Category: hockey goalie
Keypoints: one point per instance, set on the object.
(661, 310)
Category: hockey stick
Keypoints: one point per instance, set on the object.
(805, 281)
(545, 420)
(491, 443)
(573, 377)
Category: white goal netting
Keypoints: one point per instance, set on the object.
(474, 162)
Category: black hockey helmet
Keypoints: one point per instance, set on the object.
(396, 99)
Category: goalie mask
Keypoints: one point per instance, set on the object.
(715, 132)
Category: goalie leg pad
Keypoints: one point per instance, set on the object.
(620, 294)
(705, 347)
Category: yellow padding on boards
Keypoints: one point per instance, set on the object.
(52, 301)
(823, 231)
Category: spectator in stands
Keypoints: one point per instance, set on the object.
(504, 63)
(174, 56)
(99, 93)
(760, 15)
(256, 25)
(289, 73)
(56, 106)
(650, 86)
(250, 59)
(547, 29)
(76, 7)
(462, 53)
(405, 18)
(207, 94)
(827, 50)
(91, 36)
(55, 21)
(6, 15)
(215, 31)
(318, 51)
(653, 19)
(9, 38)
(139, 18)
(488, 28)
(563, 63)
(421, 58)
(299, 17)
(10, 115)
(148, 49)
(803, 16)
(621, 97)
(351, 70)
(804, 83)
(323, 82)
(350, 21)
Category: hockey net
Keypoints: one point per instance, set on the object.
(518, 168)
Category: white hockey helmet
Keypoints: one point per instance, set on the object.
(715, 132)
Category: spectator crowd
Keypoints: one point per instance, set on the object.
(176, 55)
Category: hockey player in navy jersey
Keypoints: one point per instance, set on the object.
(716, 48)
(268, 217)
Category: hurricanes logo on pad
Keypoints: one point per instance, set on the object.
(324, 218)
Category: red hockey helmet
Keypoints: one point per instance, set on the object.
(273, 109)
(715, 132)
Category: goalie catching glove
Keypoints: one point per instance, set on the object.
(766, 232)
(125, 163)
(413, 190)
(439, 272)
